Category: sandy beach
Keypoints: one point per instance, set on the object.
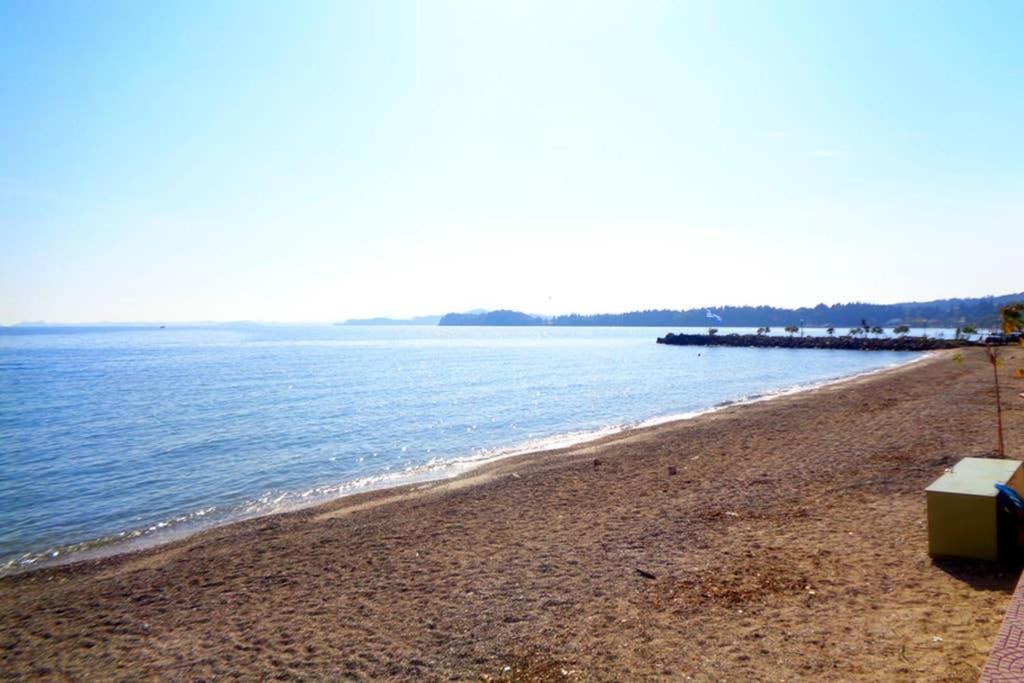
(778, 540)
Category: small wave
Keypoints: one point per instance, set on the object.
(112, 544)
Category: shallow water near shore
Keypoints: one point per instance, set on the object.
(115, 435)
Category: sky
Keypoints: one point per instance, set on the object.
(318, 161)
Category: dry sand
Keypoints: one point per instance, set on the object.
(774, 541)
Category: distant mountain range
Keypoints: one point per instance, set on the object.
(982, 311)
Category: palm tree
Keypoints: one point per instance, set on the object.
(792, 329)
(830, 330)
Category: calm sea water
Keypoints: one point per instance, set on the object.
(114, 434)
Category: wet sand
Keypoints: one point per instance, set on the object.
(774, 541)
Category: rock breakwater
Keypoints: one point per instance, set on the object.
(832, 342)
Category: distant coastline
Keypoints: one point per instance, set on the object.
(951, 313)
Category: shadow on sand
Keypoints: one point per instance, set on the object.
(986, 576)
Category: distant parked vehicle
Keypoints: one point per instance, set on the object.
(1001, 338)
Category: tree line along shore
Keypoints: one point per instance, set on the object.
(983, 312)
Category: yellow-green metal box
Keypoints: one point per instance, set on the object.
(962, 517)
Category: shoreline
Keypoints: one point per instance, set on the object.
(782, 539)
(135, 540)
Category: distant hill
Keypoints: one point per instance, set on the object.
(419, 320)
(492, 318)
(983, 311)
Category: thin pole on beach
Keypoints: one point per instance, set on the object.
(993, 359)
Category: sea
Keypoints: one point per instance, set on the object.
(118, 437)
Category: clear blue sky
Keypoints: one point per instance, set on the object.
(319, 161)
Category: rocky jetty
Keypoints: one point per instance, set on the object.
(835, 342)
